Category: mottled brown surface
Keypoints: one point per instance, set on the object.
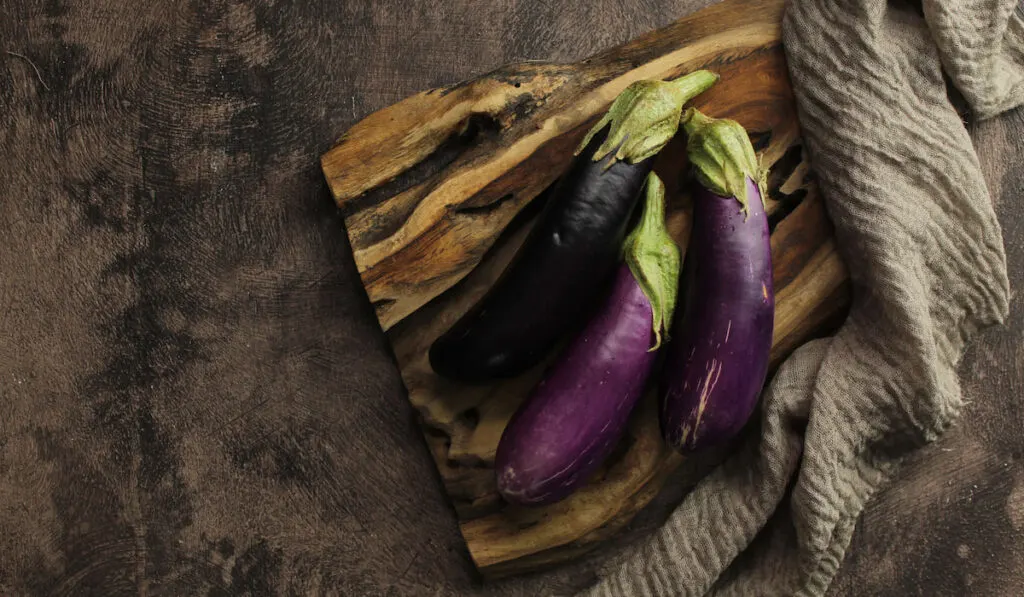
(194, 398)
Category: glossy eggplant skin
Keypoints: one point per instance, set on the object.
(557, 277)
(716, 365)
(573, 419)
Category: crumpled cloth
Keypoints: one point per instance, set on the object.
(916, 226)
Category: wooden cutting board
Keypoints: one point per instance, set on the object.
(439, 190)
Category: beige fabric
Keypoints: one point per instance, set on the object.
(916, 225)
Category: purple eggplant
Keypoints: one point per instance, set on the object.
(716, 365)
(567, 263)
(578, 412)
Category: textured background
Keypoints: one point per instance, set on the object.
(194, 396)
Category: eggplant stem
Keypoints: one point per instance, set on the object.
(723, 157)
(645, 117)
(654, 259)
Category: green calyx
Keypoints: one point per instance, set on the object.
(721, 152)
(645, 117)
(654, 259)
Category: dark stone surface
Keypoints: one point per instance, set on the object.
(194, 397)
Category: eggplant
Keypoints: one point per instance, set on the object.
(575, 416)
(716, 366)
(567, 262)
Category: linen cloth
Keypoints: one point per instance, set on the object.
(916, 226)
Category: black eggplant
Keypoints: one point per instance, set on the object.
(568, 260)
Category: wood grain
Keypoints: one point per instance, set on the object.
(433, 224)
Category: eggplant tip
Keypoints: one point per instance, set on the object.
(513, 492)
